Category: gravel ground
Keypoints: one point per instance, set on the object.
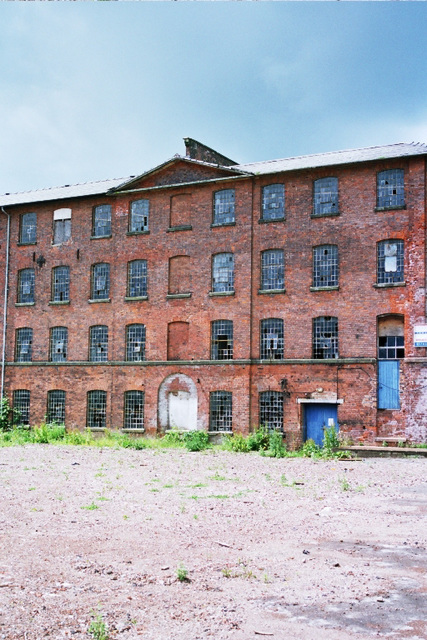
(288, 549)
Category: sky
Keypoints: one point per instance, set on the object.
(96, 90)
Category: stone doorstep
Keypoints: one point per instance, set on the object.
(378, 452)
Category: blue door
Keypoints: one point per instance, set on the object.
(388, 384)
(317, 418)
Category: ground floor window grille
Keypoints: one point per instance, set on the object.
(56, 406)
(21, 406)
(98, 351)
(24, 345)
(222, 340)
(96, 409)
(272, 342)
(58, 344)
(134, 410)
(271, 410)
(325, 337)
(221, 411)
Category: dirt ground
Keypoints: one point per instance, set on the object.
(287, 549)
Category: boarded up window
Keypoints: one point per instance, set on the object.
(180, 214)
(179, 275)
(178, 333)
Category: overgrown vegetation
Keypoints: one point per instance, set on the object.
(98, 628)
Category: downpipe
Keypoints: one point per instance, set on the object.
(6, 287)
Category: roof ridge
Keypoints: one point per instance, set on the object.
(65, 186)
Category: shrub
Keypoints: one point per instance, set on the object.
(259, 440)
(276, 448)
(235, 442)
(196, 440)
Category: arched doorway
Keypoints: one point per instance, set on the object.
(178, 403)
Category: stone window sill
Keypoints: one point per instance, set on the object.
(325, 215)
(101, 237)
(133, 430)
(177, 296)
(135, 298)
(26, 244)
(387, 285)
(138, 233)
(267, 220)
(214, 225)
(91, 301)
(334, 288)
(180, 227)
(271, 291)
(58, 302)
(24, 304)
(397, 208)
(221, 294)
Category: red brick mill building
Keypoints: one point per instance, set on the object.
(211, 295)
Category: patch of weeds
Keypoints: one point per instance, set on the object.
(90, 507)
(218, 476)
(125, 517)
(168, 486)
(236, 443)
(266, 578)
(182, 508)
(345, 485)
(226, 572)
(219, 497)
(198, 485)
(182, 574)
(195, 516)
(196, 440)
(98, 628)
(31, 488)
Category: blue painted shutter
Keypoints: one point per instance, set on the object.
(388, 384)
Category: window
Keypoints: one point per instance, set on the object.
(134, 410)
(98, 350)
(272, 270)
(390, 261)
(137, 279)
(28, 228)
(220, 411)
(61, 225)
(390, 189)
(101, 221)
(325, 197)
(325, 266)
(325, 337)
(135, 343)
(391, 337)
(223, 272)
(56, 406)
(271, 410)
(273, 202)
(21, 406)
(58, 344)
(61, 284)
(100, 281)
(222, 340)
(272, 343)
(96, 409)
(26, 282)
(24, 345)
(224, 207)
(139, 215)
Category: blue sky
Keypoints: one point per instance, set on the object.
(94, 90)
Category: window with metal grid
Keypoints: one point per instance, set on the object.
(325, 265)
(21, 406)
(325, 337)
(28, 228)
(26, 286)
(222, 340)
(58, 344)
(220, 411)
(137, 279)
(24, 345)
(98, 350)
(135, 343)
(223, 272)
(325, 196)
(56, 406)
(61, 225)
(134, 410)
(224, 207)
(101, 225)
(271, 410)
(139, 215)
(391, 347)
(60, 284)
(100, 281)
(272, 270)
(390, 189)
(390, 261)
(96, 409)
(272, 342)
(273, 202)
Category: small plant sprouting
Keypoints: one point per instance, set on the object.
(182, 574)
(226, 572)
(90, 507)
(98, 628)
(345, 485)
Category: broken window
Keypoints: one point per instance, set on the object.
(223, 272)
(390, 261)
(273, 202)
(224, 207)
(21, 406)
(139, 216)
(272, 270)
(391, 337)
(271, 410)
(325, 337)
(222, 340)
(220, 411)
(60, 284)
(56, 406)
(58, 344)
(325, 196)
(61, 225)
(98, 349)
(272, 342)
(100, 281)
(101, 226)
(135, 343)
(325, 265)
(134, 410)
(26, 285)
(390, 189)
(137, 279)
(24, 345)
(96, 409)
(28, 228)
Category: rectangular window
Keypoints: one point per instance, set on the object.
(61, 284)
(24, 345)
(271, 410)
(390, 189)
(220, 411)
(58, 344)
(137, 279)
(391, 347)
(21, 406)
(224, 207)
(325, 197)
(223, 272)
(390, 262)
(101, 226)
(139, 216)
(134, 410)
(273, 202)
(325, 337)
(26, 286)
(272, 270)
(96, 410)
(222, 340)
(135, 343)
(61, 225)
(325, 266)
(28, 228)
(272, 342)
(56, 406)
(100, 281)
(98, 350)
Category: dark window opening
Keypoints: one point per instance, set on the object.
(221, 411)
(135, 343)
(222, 340)
(58, 344)
(100, 281)
(98, 351)
(390, 261)
(139, 215)
(24, 345)
(272, 341)
(134, 410)
(96, 409)
(391, 347)
(223, 272)
(61, 284)
(137, 279)
(56, 407)
(21, 406)
(325, 337)
(271, 410)
(325, 266)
